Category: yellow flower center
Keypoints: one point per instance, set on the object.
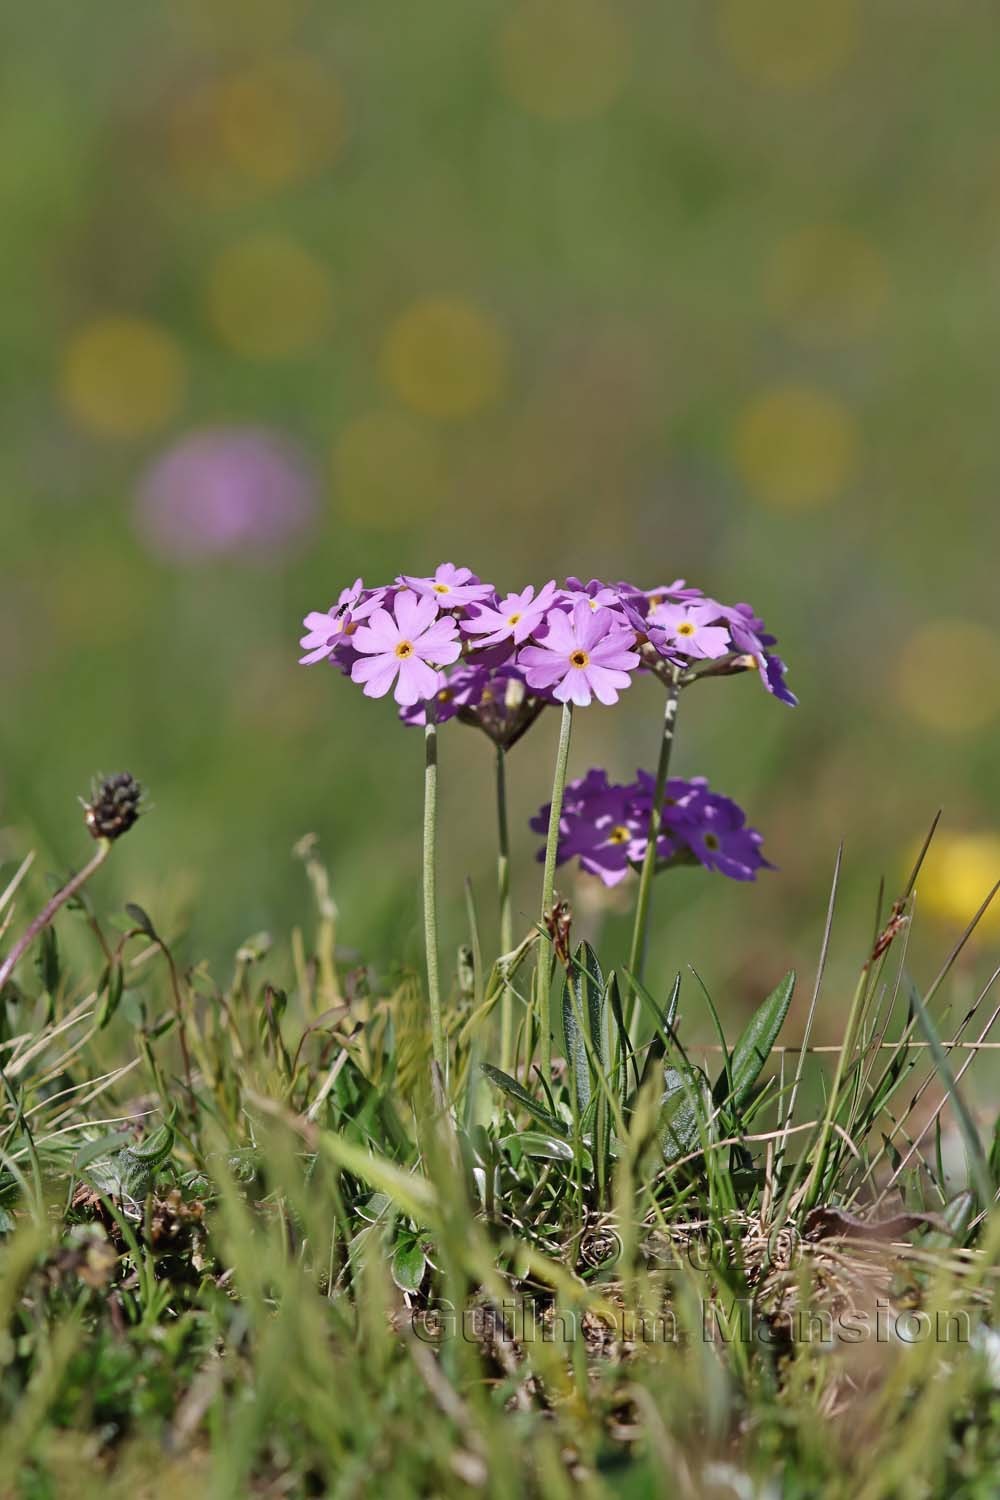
(445, 695)
(686, 628)
(487, 696)
(513, 619)
(404, 649)
(619, 835)
(441, 588)
(579, 659)
(711, 842)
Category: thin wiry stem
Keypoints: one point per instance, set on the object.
(544, 975)
(45, 916)
(430, 890)
(637, 951)
(506, 915)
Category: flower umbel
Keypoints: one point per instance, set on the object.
(604, 825)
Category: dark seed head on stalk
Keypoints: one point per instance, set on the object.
(559, 922)
(114, 806)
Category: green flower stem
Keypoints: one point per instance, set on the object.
(544, 974)
(45, 916)
(637, 951)
(506, 916)
(430, 890)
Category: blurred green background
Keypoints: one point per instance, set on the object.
(295, 291)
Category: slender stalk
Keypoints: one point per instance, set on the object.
(430, 890)
(637, 951)
(506, 916)
(45, 916)
(544, 974)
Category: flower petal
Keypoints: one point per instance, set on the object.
(377, 673)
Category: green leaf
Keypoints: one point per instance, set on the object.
(516, 1091)
(591, 985)
(107, 1145)
(685, 1099)
(48, 960)
(377, 1207)
(576, 1049)
(142, 920)
(584, 1003)
(409, 1265)
(534, 1143)
(657, 1048)
(155, 1148)
(753, 1049)
(113, 986)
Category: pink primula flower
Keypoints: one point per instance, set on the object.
(405, 648)
(584, 655)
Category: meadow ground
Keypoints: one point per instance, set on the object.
(256, 1241)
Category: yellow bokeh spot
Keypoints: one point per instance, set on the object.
(957, 875)
(280, 120)
(565, 59)
(388, 470)
(795, 447)
(827, 283)
(949, 676)
(268, 298)
(122, 377)
(264, 126)
(785, 44)
(446, 359)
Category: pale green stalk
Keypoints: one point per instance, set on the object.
(506, 915)
(544, 974)
(430, 891)
(637, 951)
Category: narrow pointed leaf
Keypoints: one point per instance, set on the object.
(535, 1143)
(753, 1049)
(516, 1091)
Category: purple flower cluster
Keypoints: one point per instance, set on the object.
(510, 655)
(605, 826)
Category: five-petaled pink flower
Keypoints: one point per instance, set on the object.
(450, 586)
(404, 647)
(583, 655)
(690, 628)
(513, 618)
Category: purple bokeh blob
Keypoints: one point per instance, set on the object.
(226, 490)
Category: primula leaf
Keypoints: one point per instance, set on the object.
(409, 1265)
(516, 1091)
(591, 982)
(534, 1143)
(685, 1096)
(583, 1004)
(576, 1051)
(753, 1049)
